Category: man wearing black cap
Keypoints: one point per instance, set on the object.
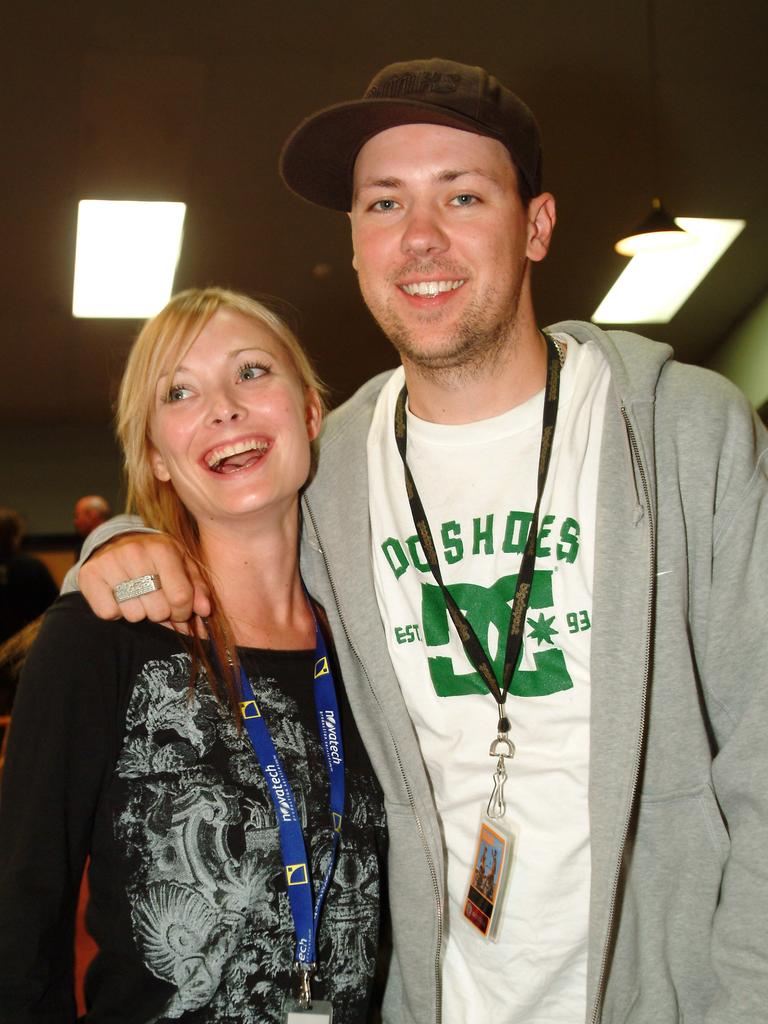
(577, 816)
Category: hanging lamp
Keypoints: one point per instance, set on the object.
(657, 233)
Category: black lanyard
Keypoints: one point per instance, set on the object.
(467, 635)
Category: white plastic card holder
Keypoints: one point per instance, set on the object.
(321, 1012)
(489, 874)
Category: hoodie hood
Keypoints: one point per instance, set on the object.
(635, 362)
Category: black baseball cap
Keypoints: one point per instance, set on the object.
(317, 161)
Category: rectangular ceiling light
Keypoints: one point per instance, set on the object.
(126, 257)
(654, 285)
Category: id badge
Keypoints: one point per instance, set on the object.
(321, 1012)
(489, 874)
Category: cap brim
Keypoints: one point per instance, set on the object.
(319, 157)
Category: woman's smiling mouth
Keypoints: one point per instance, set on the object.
(239, 455)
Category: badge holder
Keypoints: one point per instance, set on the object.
(320, 1012)
(491, 865)
(489, 874)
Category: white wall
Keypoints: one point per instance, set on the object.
(743, 356)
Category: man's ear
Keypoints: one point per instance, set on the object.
(542, 216)
(159, 467)
(354, 254)
(313, 414)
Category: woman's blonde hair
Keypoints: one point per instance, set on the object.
(159, 348)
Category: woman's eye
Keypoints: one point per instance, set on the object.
(464, 199)
(251, 371)
(384, 205)
(177, 392)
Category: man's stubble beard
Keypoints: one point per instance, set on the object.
(473, 345)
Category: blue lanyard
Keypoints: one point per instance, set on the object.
(295, 861)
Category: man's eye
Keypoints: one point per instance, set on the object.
(177, 392)
(251, 371)
(384, 205)
(464, 199)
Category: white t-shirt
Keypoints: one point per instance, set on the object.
(477, 482)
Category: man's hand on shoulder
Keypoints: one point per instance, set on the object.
(182, 591)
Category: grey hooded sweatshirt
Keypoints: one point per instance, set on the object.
(678, 928)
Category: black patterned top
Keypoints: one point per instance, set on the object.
(112, 755)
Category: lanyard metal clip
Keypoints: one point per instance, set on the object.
(304, 972)
(503, 749)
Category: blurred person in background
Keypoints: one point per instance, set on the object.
(90, 511)
(26, 590)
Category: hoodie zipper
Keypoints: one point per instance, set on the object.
(602, 978)
(432, 870)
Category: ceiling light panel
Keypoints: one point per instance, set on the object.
(125, 258)
(654, 285)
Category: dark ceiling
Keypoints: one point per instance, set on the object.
(191, 101)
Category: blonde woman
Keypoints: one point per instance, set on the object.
(216, 779)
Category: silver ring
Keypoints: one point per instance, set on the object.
(137, 587)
